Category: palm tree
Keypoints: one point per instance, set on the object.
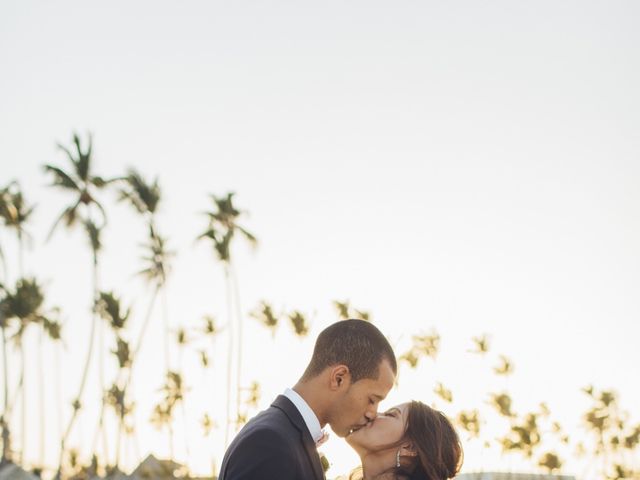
(253, 394)
(342, 308)
(24, 303)
(523, 436)
(550, 461)
(108, 307)
(443, 392)
(481, 344)
(82, 184)
(505, 367)
(183, 339)
(145, 197)
(299, 323)
(174, 392)
(422, 345)
(345, 311)
(470, 422)
(15, 213)
(4, 419)
(265, 315)
(614, 440)
(223, 226)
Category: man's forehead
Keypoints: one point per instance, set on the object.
(383, 384)
(386, 375)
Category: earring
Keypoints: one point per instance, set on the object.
(398, 459)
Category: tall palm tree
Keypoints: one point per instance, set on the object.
(24, 303)
(183, 339)
(15, 213)
(85, 210)
(209, 331)
(223, 227)
(110, 310)
(174, 392)
(145, 196)
(4, 418)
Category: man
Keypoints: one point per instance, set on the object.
(352, 369)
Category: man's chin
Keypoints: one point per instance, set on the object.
(342, 432)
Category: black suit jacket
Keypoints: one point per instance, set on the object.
(274, 445)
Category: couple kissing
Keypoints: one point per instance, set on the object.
(352, 369)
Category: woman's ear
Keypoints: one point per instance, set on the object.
(408, 450)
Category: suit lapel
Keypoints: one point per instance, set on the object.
(294, 416)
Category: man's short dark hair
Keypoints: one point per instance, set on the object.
(355, 343)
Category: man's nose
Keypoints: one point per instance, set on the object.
(371, 415)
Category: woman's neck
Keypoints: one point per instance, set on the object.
(375, 465)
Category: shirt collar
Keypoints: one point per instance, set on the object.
(310, 418)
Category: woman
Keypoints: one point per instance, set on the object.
(410, 441)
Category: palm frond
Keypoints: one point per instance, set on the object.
(83, 163)
(248, 235)
(102, 212)
(69, 155)
(3, 259)
(69, 216)
(61, 178)
(144, 196)
(93, 231)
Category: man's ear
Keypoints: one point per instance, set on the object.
(339, 377)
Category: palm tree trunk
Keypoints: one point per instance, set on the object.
(6, 435)
(141, 336)
(167, 360)
(184, 410)
(20, 254)
(120, 424)
(229, 357)
(165, 322)
(41, 395)
(58, 382)
(23, 438)
(240, 340)
(101, 425)
(134, 357)
(99, 430)
(184, 426)
(85, 371)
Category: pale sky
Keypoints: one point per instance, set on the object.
(471, 167)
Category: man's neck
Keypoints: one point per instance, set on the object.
(310, 394)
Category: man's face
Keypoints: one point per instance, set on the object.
(358, 405)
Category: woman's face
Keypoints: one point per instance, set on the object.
(387, 429)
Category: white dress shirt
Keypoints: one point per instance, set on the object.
(310, 419)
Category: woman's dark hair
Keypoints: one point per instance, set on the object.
(355, 343)
(436, 442)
